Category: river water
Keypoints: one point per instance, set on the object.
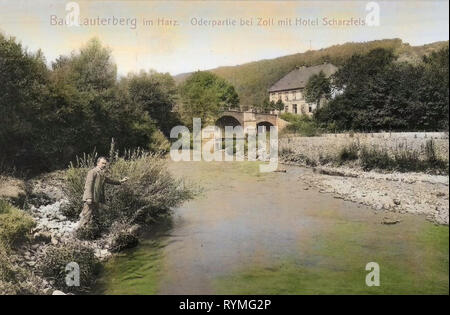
(269, 233)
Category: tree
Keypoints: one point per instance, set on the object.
(381, 93)
(23, 89)
(205, 95)
(92, 107)
(155, 93)
(279, 105)
(434, 91)
(317, 88)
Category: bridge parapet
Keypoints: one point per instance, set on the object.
(249, 119)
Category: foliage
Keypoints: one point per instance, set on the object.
(52, 264)
(204, 95)
(252, 80)
(15, 225)
(267, 107)
(23, 81)
(154, 93)
(15, 279)
(380, 93)
(300, 124)
(348, 153)
(148, 195)
(402, 160)
(50, 116)
(317, 88)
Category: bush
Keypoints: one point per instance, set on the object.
(159, 143)
(373, 158)
(122, 236)
(15, 225)
(18, 280)
(149, 194)
(300, 124)
(52, 264)
(348, 153)
(403, 160)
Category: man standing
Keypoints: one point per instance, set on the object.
(94, 195)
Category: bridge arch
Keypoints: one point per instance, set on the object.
(228, 120)
(249, 119)
(265, 124)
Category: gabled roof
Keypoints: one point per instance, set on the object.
(298, 78)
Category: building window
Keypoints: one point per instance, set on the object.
(310, 108)
(294, 108)
(286, 96)
(286, 108)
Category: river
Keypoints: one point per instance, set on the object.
(268, 233)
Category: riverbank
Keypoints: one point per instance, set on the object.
(41, 200)
(51, 204)
(372, 170)
(394, 193)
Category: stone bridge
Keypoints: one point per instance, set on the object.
(250, 119)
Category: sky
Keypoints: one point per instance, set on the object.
(180, 44)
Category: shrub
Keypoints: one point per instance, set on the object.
(300, 124)
(408, 160)
(403, 160)
(15, 225)
(15, 279)
(122, 236)
(348, 153)
(52, 264)
(372, 158)
(159, 143)
(149, 194)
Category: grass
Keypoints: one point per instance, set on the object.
(403, 160)
(15, 228)
(300, 124)
(15, 225)
(148, 195)
(335, 264)
(52, 264)
(348, 153)
(400, 159)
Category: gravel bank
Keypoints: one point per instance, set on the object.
(399, 193)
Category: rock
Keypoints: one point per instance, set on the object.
(134, 230)
(35, 246)
(397, 202)
(11, 188)
(46, 290)
(389, 221)
(44, 237)
(31, 263)
(55, 241)
(57, 292)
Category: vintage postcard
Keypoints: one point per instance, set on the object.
(239, 153)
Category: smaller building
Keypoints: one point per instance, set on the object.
(290, 89)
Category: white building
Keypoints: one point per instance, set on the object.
(290, 89)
